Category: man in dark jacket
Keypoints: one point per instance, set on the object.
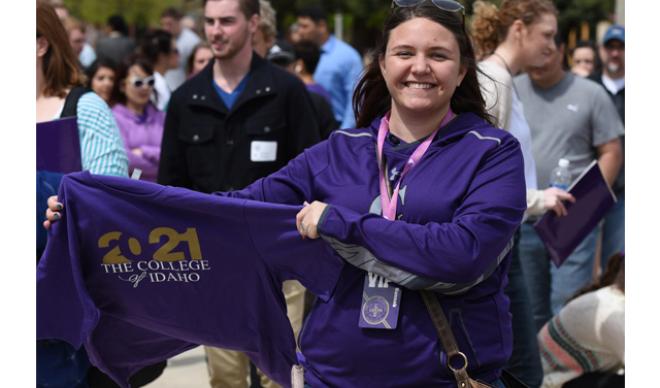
(239, 119)
(612, 78)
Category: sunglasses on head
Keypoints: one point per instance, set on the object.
(140, 82)
(445, 5)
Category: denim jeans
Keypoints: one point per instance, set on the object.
(549, 286)
(60, 365)
(614, 231)
(525, 361)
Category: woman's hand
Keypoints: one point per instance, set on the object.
(307, 219)
(53, 211)
(553, 200)
(137, 152)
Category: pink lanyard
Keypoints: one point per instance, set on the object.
(388, 204)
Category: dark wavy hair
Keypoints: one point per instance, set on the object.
(615, 273)
(372, 99)
(91, 71)
(154, 43)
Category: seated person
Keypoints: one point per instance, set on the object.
(586, 338)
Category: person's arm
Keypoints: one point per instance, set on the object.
(151, 153)
(172, 168)
(101, 146)
(350, 80)
(540, 201)
(610, 159)
(303, 129)
(459, 253)
(293, 184)
(606, 128)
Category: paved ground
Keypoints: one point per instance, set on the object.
(187, 370)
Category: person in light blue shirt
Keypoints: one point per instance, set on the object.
(339, 67)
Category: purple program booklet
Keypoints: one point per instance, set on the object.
(593, 199)
(58, 146)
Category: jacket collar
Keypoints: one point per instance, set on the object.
(455, 129)
(260, 84)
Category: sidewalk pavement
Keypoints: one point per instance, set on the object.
(187, 370)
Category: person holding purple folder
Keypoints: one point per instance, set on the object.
(425, 194)
(512, 36)
(585, 127)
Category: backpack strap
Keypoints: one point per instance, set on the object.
(71, 102)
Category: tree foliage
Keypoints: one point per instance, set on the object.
(142, 13)
(363, 19)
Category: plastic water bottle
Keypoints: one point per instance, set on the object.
(560, 176)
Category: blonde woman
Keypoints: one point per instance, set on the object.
(519, 33)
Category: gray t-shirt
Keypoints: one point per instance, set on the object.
(568, 120)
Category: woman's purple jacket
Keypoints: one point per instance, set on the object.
(458, 210)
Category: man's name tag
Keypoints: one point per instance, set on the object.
(380, 303)
(263, 151)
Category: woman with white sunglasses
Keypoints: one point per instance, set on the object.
(140, 122)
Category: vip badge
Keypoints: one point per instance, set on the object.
(380, 303)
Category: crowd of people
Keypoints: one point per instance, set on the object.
(430, 161)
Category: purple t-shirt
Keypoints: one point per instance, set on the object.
(139, 272)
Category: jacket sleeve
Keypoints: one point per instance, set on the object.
(458, 254)
(292, 184)
(535, 202)
(102, 149)
(172, 169)
(303, 126)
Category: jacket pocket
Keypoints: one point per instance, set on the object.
(479, 333)
(196, 133)
(201, 150)
(266, 125)
(463, 340)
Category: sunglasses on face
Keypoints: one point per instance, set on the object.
(445, 5)
(140, 82)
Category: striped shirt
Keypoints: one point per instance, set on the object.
(100, 143)
(586, 336)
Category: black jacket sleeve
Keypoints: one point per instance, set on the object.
(303, 129)
(173, 169)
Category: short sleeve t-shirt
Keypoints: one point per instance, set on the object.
(568, 120)
(139, 272)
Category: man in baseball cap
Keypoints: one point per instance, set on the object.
(612, 54)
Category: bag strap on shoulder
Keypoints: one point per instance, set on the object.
(71, 102)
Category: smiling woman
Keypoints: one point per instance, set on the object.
(420, 46)
(425, 195)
